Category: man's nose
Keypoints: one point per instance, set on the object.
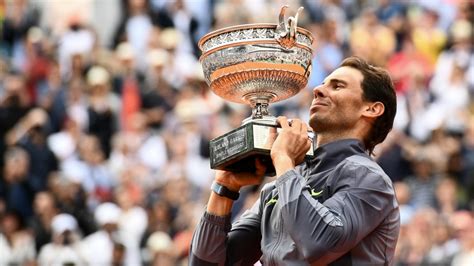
(319, 91)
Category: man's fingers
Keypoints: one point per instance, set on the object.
(299, 125)
(283, 122)
(272, 130)
(272, 135)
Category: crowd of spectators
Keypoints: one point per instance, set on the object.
(105, 120)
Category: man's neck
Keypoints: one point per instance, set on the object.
(323, 138)
(357, 131)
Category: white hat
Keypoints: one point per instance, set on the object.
(97, 75)
(124, 51)
(159, 242)
(158, 57)
(107, 213)
(461, 30)
(35, 34)
(63, 222)
(170, 38)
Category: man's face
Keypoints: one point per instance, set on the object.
(337, 104)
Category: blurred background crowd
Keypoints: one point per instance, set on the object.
(105, 120)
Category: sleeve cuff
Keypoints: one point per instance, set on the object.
(285, 177)
(220, 221)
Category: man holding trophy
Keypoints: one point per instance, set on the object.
(331, 204)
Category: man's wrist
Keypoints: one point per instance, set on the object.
(224, 191)
(282, 164)
(230, 185)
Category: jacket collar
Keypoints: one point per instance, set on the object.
(329, 155)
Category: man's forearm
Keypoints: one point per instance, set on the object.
(211, 241)
(219, 205)
(210, 238)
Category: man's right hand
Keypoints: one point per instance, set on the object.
(221, 206)
(234, 181)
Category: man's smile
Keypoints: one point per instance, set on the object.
(318, 104)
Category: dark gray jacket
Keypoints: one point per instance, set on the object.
(337, 209)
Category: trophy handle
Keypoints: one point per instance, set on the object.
(282, 26)
(286, 30)
(293, 23)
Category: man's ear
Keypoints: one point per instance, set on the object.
(374, 110)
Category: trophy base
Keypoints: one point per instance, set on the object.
(237, 150)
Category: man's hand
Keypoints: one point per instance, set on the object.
(221, 206)
(234, 181)
(290, 146)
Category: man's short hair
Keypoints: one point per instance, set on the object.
(377, 86)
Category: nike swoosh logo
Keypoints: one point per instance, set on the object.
(271, 201)
(315, 194)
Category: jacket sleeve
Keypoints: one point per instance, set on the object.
(361, 199)
(216, 242)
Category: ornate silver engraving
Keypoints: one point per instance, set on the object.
(257, 64)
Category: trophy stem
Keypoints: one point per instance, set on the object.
(260, 114)
(260, 110)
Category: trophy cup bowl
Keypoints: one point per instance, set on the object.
(254, 64)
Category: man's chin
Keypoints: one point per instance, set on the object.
(319, 126)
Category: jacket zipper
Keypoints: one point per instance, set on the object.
(277, 243)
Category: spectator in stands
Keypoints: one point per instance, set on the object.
(427, 37)
(139, 150)
(135, 28)
(45, 209)
(103, 107)
(132, 224)
(106, 240)
(72, 199)
(464, 228)
(91, 170)
(49, 90)
(185, 22)
(422, 184)
(30, 133)
(16, 185)
(127, 84)
(20, 17)
(444, 245)
(75, 47)
(64, 247)
(159, 96)
(418, 237)
(161, 248)
(17, 247)
(14, 104)
(372, 40)
(447, 197)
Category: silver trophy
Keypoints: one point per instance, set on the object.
(254, 64)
